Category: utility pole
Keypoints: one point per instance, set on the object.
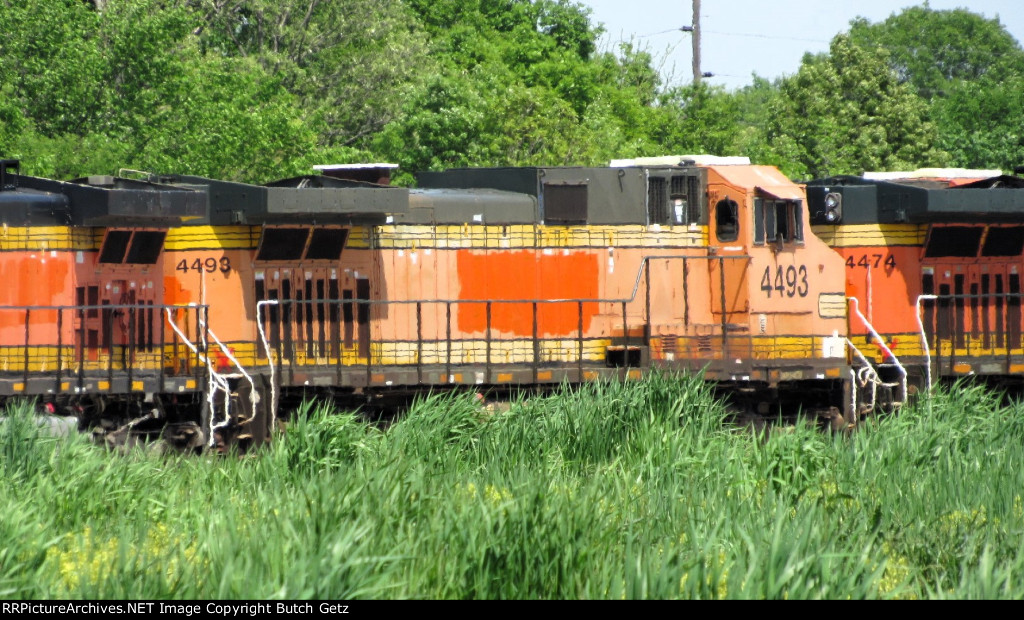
(696, 43)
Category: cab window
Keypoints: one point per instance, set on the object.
(727, 226)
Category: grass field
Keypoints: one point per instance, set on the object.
(632, 490)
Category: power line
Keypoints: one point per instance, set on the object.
(733, 34)
(654, 34)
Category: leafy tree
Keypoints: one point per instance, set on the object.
(847, 112)
(934, 50)
(981, 124)
(520, 83)
(970, 69)
(130, 87)
(697, 119)
(351, 63)
(53, 63)
(229, 120)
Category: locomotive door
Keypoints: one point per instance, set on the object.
(993, 309)
(301, 268)
(728, 273)
(128, 330)
(318, 316)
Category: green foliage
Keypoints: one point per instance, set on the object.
(969, 68)
(349, 62)
(846, 112)
(255, 90)
(610, 490)
(981, 124)
(933, 50)
(520, 84)
(697, 119)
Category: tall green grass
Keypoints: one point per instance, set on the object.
(611, 490)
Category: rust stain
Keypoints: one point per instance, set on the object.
(527, 275)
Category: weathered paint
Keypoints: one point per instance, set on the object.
(522, 274)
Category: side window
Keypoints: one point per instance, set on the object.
(777, 221)
(727, 220)
(798, 221)
(681, 196)
(758, 221)
(783, 221)
(674, 200)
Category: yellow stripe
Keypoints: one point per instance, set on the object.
(533, 236)
(872, 235)
(435, 353)
(187, 238)
(207, 237)
(43, 238)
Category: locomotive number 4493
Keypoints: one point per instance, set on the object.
(209, 265)
(787, 281)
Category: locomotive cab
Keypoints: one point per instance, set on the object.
(776, 287)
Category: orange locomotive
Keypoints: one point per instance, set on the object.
(933, 259)
(81, 317)
(493, 278)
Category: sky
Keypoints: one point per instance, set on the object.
(743, 37)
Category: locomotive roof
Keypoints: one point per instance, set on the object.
(477, 205)
(868, 201)
(767, 179)
(113, 201)
(305, 198)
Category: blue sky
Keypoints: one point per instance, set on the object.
(742, 37)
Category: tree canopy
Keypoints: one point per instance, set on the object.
(934, 50)
(847, 112)
(256, 90)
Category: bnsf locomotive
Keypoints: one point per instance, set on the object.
(193, 307)
(933, 259)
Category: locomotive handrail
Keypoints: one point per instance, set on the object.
(587, 300)
(924, 337)
(998, 297)
(266, 347)
(868, 368)
(110, 312)
(106, 307)
(885, 347)
(216, 380)
(254, 394)
(643, 268)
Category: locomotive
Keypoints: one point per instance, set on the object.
(193, 307)
(933, 260)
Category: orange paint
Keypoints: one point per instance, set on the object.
(893, 289)
(526, 274)
(38, 279)
(34, 279)
(174, 294)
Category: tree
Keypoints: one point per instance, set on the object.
(969, 68)
(351, 63)
(847, 112)
(934, 50)
(981, 124)
(520, 83)
(87, 92)
(696, 119)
